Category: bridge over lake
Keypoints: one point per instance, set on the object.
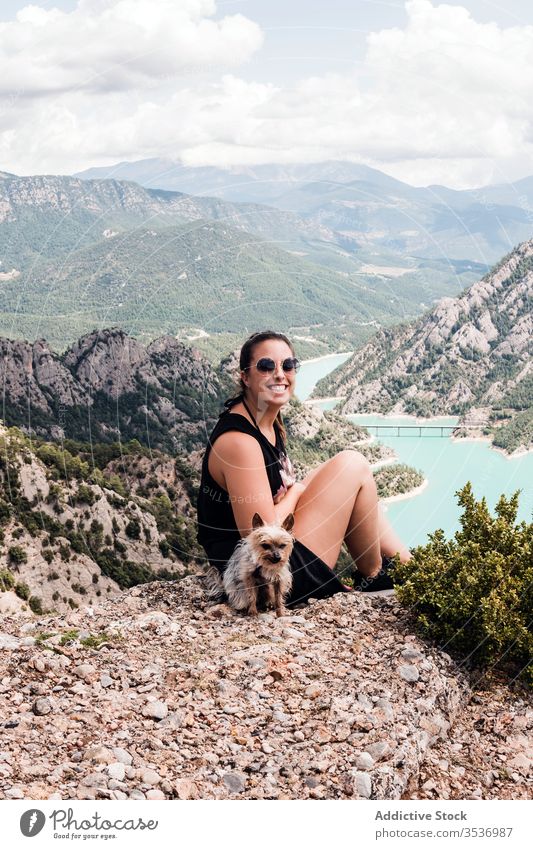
(421, 429)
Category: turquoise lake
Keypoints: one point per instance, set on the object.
(446, 464)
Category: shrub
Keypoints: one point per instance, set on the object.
(23, 591)
(475, 592)
(133, 529)
(113, 481)
(124, 572)
(36, 604)
(17, 554)
(5, 512)
(164, 548)
(7, 581)
(85, 495)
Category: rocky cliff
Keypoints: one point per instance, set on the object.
(108, 386)
(471, 351)
(155, 694)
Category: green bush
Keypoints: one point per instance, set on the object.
(474, 593)
(85, 495)
(5, 512)
(36, 604)
(23, 591)
(17, 554)
(133, 529)
(124, 572)
(7, 581)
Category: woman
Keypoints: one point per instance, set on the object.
(246, 470)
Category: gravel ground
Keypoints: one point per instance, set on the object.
(156, 694)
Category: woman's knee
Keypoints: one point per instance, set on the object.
(353, 463)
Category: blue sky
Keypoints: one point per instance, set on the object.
(428, 92)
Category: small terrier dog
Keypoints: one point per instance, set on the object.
(258, 575)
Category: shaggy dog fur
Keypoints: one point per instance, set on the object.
(257, 575)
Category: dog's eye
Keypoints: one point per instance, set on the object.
(265, 545)
(282, 546)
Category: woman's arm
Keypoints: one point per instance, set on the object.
(288, 503)
(241, 461)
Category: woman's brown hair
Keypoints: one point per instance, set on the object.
(245, 358)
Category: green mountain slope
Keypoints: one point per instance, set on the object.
(200, 274)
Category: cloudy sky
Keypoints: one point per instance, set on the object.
(426, 91)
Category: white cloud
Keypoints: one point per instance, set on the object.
(444, 99)
(115, 45)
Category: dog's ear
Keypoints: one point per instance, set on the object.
(257, 521)
(288, 522)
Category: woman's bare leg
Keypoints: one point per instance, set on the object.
(389, 540)
(340, 503)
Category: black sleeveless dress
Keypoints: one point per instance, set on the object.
(218, 532)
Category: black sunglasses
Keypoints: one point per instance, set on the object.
(266, 364)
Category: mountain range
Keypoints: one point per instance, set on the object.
(78, 255)
(379, 213)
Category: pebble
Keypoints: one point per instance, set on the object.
(362, 785)
(116, 771)
(155, 710)
(9, 642)
(409, 672)
(155, 794)
(86, 671)
(234, 781)
(313, 691)
(149, 776)
(364, 761)
(122, 756)
(184, 788)
(41, 707)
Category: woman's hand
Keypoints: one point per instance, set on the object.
(287, 504)
(284, 489)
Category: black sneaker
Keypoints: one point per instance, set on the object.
(381, 581)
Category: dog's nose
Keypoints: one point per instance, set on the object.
(276, 558)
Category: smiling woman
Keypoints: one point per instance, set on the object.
(246, 470)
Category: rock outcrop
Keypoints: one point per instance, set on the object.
(473, 350)
(108, 386)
